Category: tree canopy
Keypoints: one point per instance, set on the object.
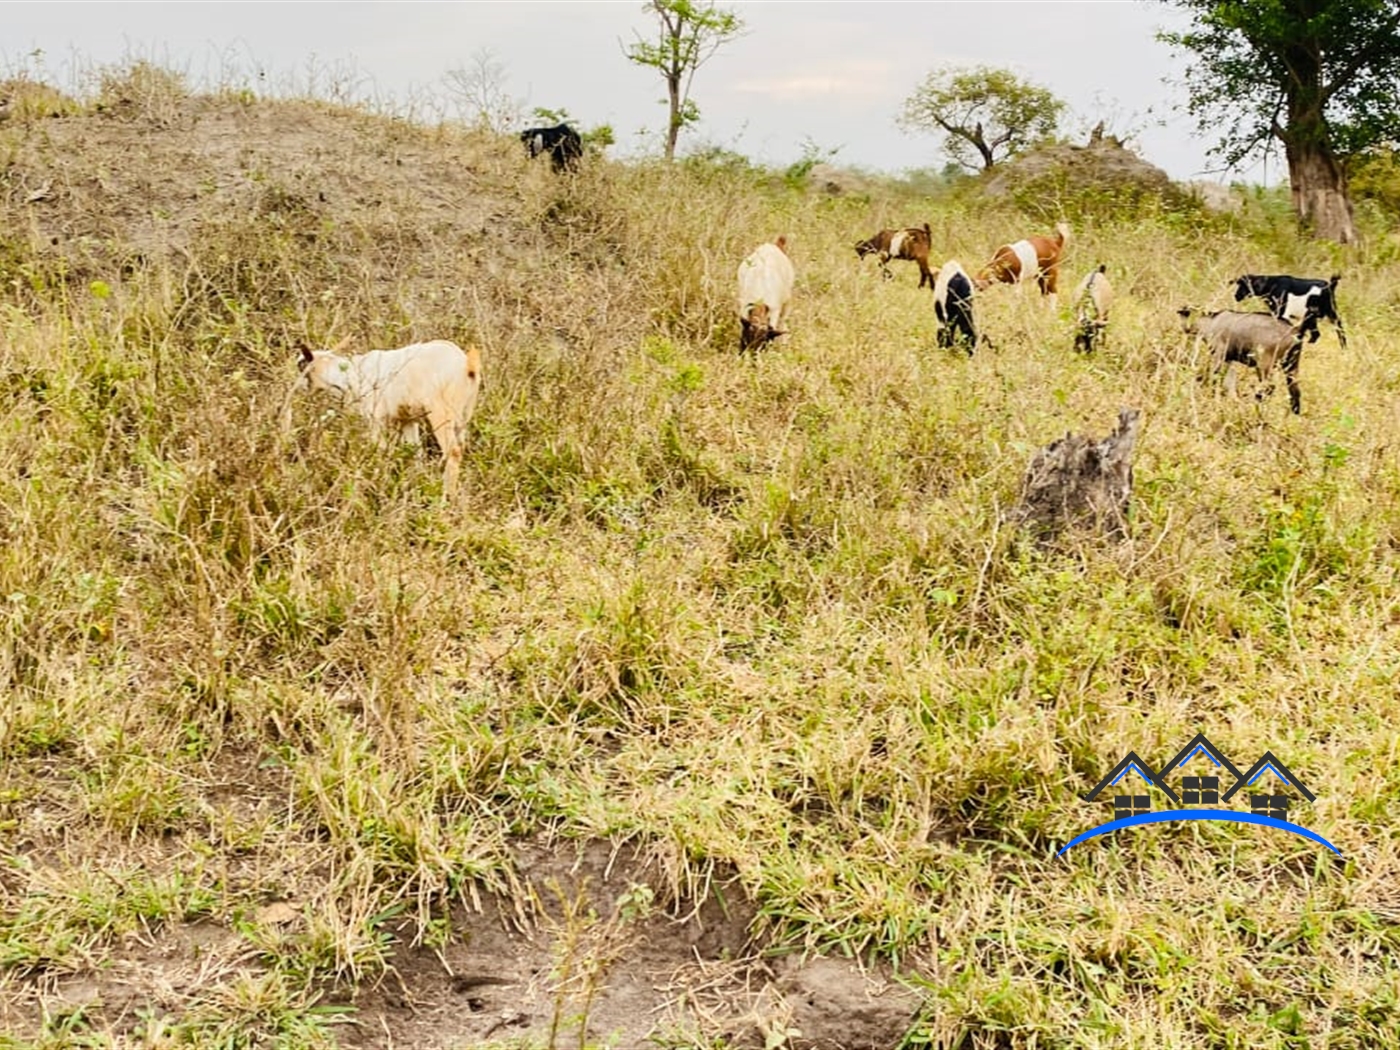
(987, 114)
(1317, 76)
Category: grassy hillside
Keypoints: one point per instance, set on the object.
(274, 716)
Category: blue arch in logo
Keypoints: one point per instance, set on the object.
(1228, 815)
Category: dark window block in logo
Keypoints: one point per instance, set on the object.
(1200, 791)
(1275, 806)
(1130, 805)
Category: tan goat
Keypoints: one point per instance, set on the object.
(394, 390)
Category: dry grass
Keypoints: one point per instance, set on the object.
(756, 612)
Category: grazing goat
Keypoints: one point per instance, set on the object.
(952, 304)
(561, 142)
(1092, 300)
(765, 289)
(911, 243)
(1293, 298)
(436, 381)
(1258, 341)
(1035, 257)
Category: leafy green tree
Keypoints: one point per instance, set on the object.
(1318, 76)
(688, 35)
(987, 114)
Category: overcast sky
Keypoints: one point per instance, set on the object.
(834, 74)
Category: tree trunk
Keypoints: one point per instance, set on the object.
(988, 162)
(1319, 186)
(673, 126)
(1320, 192)
(1078, 481)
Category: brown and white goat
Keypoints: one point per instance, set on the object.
(765, 290)
(1035, 258)
(394, 390)
(1256, 340)
(911, 243)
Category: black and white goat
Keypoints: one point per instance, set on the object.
(952, 305)
(561, 142)
(1294, 298)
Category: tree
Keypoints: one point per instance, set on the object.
(988, 114)
(481, 93)
(1317, 76)
(688, 36)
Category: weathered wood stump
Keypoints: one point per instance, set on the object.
(1077, 481)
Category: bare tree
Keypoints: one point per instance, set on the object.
(480, 91)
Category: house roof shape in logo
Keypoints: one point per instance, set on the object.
(1198, 745)
(1268, 762)
(1130, 764)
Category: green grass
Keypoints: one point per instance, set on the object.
(764, 613)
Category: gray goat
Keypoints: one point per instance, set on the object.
(1256, 340)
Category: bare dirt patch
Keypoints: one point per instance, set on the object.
(561, 961)
(523, 970)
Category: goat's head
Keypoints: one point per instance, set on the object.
(1244, 287)
(868, 247)
(323, 369)
(1188, 323)
(757, 329)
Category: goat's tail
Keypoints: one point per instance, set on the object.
(1335, 278)
(781, 242)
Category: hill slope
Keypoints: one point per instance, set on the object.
(287, 734)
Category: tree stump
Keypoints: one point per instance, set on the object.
(1077, 481)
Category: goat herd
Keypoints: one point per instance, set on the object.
(1256, 340)
(438, 382)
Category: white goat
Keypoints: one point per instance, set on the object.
(395, 390)
(765, 290)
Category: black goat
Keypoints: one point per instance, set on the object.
(561, 142)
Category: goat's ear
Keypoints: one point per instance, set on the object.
(307, 356)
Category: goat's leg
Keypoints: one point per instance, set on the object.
(445, 430)
(1341, 332)
(1290, 376)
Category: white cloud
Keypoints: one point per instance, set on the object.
(865, 80)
